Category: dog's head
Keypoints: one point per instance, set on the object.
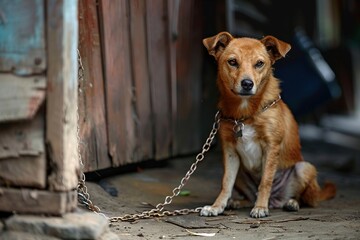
(244, 64)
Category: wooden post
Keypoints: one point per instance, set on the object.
(61, 107)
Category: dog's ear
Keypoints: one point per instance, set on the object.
(216, 44)
(275, 47)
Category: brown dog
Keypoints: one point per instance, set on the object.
(260, 141)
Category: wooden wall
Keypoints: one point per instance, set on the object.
(139, 97)
(39, 163)
(141, 93)
(23, 62)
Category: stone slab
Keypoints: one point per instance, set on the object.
(79, 225)
(108, 235)
(9, 235)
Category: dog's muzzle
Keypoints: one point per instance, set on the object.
(246, 88)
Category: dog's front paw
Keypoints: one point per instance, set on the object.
(208, 211)
(259, 212)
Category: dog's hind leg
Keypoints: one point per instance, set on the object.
(312, 194)
(292, 205)
(302, 186)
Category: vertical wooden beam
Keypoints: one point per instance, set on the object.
(188, 73)
(139, 64)
(118, 80)
(92, 111)
(173, 34)
(158, 59)
(61, 107)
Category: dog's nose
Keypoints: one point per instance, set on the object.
(247, 84)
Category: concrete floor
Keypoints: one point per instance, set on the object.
(140, 190)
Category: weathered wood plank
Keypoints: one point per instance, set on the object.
(61, 107)
(24, 171)
(139, 63)
(118, 79)
(20, 97)
(173, 11)
(22, 153)
(22, 37)
(92, 118)
(37, 201)
(158, 60)
(187, 137)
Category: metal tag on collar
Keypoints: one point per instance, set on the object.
(238, 129)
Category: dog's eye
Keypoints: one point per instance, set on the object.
(259, 64)
(232, 62)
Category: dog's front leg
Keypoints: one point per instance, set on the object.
(231, 167)
(261, 208)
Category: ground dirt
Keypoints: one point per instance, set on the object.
(140, 190)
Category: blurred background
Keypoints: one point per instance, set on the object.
(319, 76)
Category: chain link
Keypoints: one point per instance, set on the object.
(83, 195)
(271, 104)
(158, 211)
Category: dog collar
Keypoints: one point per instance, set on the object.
(239, 123)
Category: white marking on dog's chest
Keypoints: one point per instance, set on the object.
(244, 104)
(249, 149)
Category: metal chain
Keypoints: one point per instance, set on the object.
(158, 211)
(271, 104)
(83, 195)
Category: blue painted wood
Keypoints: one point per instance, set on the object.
(22, 36)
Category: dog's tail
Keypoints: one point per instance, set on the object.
(327, 192)
(314, 194)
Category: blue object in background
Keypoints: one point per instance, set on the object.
(307, 81)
